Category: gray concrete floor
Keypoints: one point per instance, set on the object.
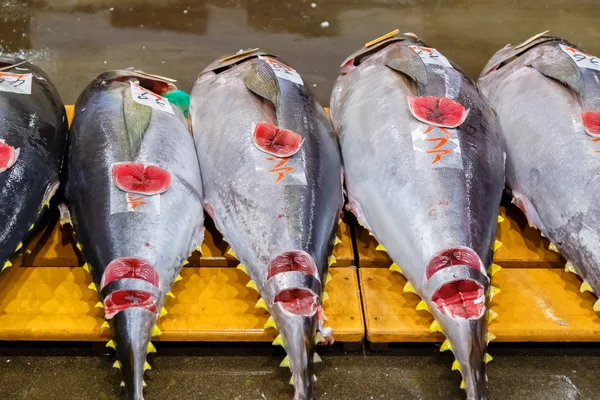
(75, 40)
(225, 372)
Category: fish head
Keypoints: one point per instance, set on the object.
(230, 60)
(293, 286)
(157, 84)
(456, 286)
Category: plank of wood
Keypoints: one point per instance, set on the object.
(522, 246)
(211, 304)
(534, 305)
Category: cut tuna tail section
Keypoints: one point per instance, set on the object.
(132, 330)
(299, 333)
(469, 346)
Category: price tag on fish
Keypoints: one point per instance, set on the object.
(283, 71)
(431, 56)
(150, 99)
(15, 83)
(581, 59)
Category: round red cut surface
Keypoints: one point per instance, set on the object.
(291, 261)
(437, 111)
(138, 178)
(8, 156)
(123, 299)
(591, 122)
(130, 267)
(273, 140)
(297, 301)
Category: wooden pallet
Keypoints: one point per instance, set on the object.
(210, 304)
(539, 301)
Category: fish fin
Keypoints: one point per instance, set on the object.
(151, 348)
(163, 312)
(455, 366)
(494, 268)
(33, 226)
(122, 384)
(112, 344)
(179, 277)
(292, 381)
(497, 244)
(552, 247)
(325, 296)
(487, 358)
(380, 248)
(332, 260)
(409, 288)
(105, 325)
(170, 294)
(492, 315)
(586, 287)
(570, 268)
(317, 358)
(99, 305)
(93, 287)
(261, 304)
(489, 336)
(262, 81)
(314, 378)
(252, 285)
(86, 267)
(285, 363)
(78, 245)
(446, 345)
(231, 252)
(337, 241)
(560, 67)
(19, 246)
(147, 366)
(7, 264)
(137, 119)
(319, 338)
(597, 306)
(242, 268)
(65, 215)
(422, 306)
(278, 341)
(493, 292)
(462, 384)
(395, 267)
(402, 59)
(117, 364)
(500, 219)
(328, 278)
(156, 331)
(435, 327)
(186, 262)
(144, 384)
(270, 323)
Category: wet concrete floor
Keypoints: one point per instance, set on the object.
(226, 372)
(75, 40)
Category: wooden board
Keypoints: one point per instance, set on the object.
(522, 246)
(211, 304)
(535, 305)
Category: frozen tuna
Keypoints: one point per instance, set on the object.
(424, 174)
(272, 180)
(33, 134)
(546, 93)
(135, 196)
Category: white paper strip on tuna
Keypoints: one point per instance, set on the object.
(581, 59)
(431, 56)
(150, 99)
(15, 83)
(283, 71)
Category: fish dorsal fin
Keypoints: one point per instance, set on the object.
(262, 81)
(560, 67)
(137, 120)
(402, 59)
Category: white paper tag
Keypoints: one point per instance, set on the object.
(431, 56)
(150, 99)
(283, 71)
(581, 59)
(15, 83)
(436, 148)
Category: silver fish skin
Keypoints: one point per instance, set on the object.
(539, 93)
(280, 222)
(35, 126)
(435, 217)
(108, 128)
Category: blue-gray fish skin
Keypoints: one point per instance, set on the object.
(548, 106)
(278, 213)
(134, 241)
(429, 193)
(33, 133)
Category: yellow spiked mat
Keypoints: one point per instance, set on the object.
(211, 304)
(536, 304)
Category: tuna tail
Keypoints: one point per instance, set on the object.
(469, 346)
(132, 329)
(299, 333)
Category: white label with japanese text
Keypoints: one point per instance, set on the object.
(581, 59)
(150, 99)
(283, 71)
(15, 83)
(431, 56)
